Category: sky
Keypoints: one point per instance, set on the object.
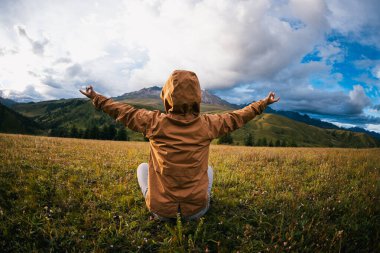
(321, 57)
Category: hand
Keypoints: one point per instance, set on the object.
(271, 98)
(89, 92)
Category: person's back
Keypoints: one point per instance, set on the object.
(178, 172)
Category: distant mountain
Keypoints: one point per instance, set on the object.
(151, 92)
(320, 123)
(14, 122)
(276, 128)
(303, 118)
(155, 91)
(209, 98)
(7, 102)
(361, 130)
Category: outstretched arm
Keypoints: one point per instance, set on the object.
(136, 119)
(221, 124)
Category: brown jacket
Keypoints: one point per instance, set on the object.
(179, 142)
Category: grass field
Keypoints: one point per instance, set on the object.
(82, 195)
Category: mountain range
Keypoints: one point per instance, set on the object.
(155, 91)
(273, 126)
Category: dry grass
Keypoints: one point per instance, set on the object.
(82, 195)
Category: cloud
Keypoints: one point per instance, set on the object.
(48, 80)
(63, 60)
(74, 71)
(27, 95)
(38, 47)
(373, 127)
(6, 51)
(357, 19)
(304, 98)
(326, 103)
(224, 42)
(358, 98)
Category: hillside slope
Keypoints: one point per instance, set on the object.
(13, 122)
(275, 128)
(7, 102)
(65, 113)
(304, 118)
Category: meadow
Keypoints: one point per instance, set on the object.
(61, 194)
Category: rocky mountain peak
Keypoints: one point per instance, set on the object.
(154, 92)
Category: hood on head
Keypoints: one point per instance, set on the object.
(181, 93)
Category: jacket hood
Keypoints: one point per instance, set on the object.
(181, 93)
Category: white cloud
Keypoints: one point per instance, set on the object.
(373, 127)
(340, 124)
(359, 19)
(376, 71)
(358, 97)
(125, 45)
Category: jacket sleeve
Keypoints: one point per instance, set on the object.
(221, 124)
(138, 120)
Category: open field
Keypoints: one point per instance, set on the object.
(82, 195)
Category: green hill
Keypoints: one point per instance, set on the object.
(65, 113)
(267, 128)
(13, 122)
(275, 128)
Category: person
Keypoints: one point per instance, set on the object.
(177, 177)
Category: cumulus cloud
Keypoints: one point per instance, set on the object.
(304, 98)
(48, 80)
(133, 44)
(74, 71)
(376, 70)
(358, 19)
(358, 98)
(38, 47)
(26, 95)
(314, 101)
(373, 127)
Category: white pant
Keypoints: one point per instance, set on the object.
(142, 177)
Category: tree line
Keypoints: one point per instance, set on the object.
(106, 132)
(249, 140)
(111, 132)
